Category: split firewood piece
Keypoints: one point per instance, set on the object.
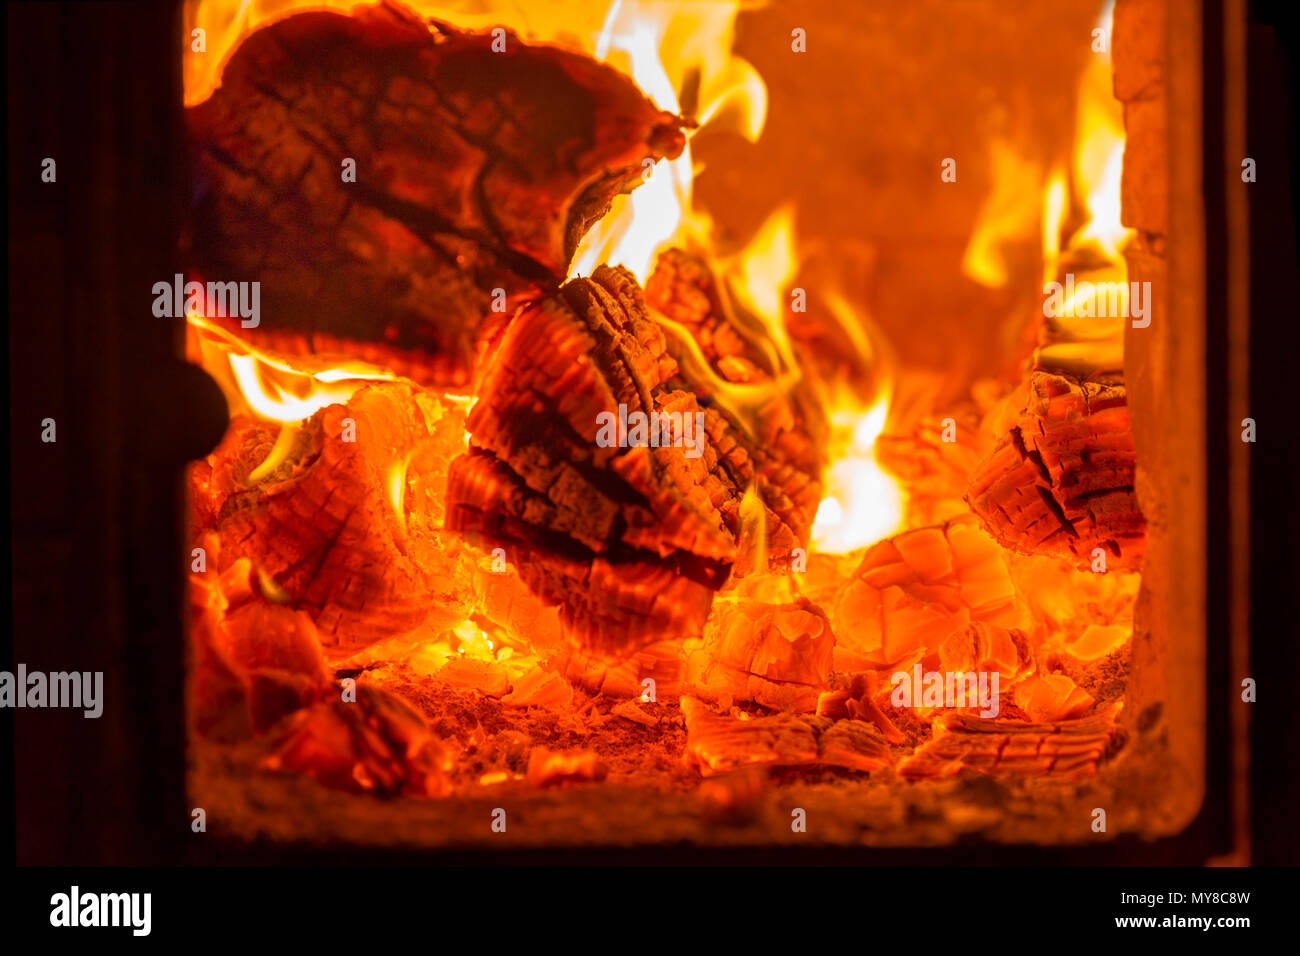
(717, 743)
(777, 655)
(330, 530)
(375, 744)
(615, 490)
(1061, 478)
(1004, 747)
(913, 590)
(733, 363)
(393, 180)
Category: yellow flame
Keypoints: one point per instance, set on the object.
(1099, 151)
(1054, 209)
(272, 387)
(1010, 212)
(753, 528)
(663, 46)
(862, 503)
(759, 274)
(1096, 171)
(397, 489)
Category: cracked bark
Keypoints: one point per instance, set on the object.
(475, 171)
(323, 531)
(1061, 480)
(630, 541)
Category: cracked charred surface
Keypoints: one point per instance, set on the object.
(324, 529)
(734, 365)
(1061, 478)
(1000, 747)
(475, 171)
(630, 541)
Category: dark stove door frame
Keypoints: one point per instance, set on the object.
(98, 573)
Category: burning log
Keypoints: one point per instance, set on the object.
(735, 365)
(1002, 747)
(396, 183)
(328, 529)
(1060, 480)
(614, 486)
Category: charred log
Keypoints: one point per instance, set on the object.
(1061, 478)
(475, 171)
(339, 528)
(602, 467)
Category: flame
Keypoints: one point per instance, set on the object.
(758, 276)
(1054, 209)
(680, 55)
(673, 51)
(271, 388)
(1096, 169)
(267, 386)
(664, 46)
(1099, 152)
(1010, 212)
(397, 489)
(863, 503)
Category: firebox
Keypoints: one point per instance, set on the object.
(701, 425)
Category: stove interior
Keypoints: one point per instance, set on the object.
(661, 422)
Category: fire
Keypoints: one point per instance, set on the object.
(1099, 153)
(667, 47)
(1009, 213)
(679, 54)
(1097, 164)
(268, 386)
(862, 503)
(271, 388)
(1091, 192)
